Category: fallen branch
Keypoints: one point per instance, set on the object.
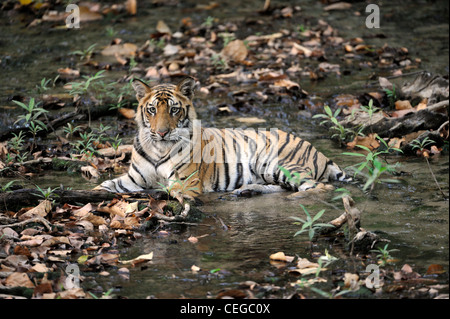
(29, 221)
(360, 239)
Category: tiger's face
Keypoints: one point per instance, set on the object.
(165, 111)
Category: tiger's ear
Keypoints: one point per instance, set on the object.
(141, 88)
(187, 87)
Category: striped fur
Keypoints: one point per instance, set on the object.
(169, 146)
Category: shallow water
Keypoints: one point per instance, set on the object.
(411, 214)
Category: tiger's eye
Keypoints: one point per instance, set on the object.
(152, 109)
(174, 110)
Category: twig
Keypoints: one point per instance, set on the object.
(438, 106)
(434, 177)
(28, 221)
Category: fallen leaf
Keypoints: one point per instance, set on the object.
(280, 256)
(74, 293)
(40, 210)
(286, 83)
(162, 27)
(235, 51)
(18, 279)
(435, 269)
(108, 259)
(369, 141)
(250, 120)
(396, 142)
(338, 6)
(69, 72)
(137, 260)
(126, 49)
(40, 268)
(195, 269)
(403, 105)
(171, 49)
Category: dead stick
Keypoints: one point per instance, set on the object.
(28, 221)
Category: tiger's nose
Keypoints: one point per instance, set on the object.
(163, 133)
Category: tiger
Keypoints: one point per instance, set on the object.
(171, 148)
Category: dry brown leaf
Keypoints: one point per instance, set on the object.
(403, 105)
(40, 210)
(300, 49)
(286, 83)
(422, 105)
(369, 141)
(396, 142)
(162, 27)
(235, 51)
(126, 49)
(139, 259)
(94, 219)
(280, 256)
(250, 120)
(127, 113)
(69, 72)
(18, 279)
(118, 208)
(435, 269)
(338, 6)
(74, 293)
(83, 211)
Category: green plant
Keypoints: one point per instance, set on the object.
(85, 145)
(7, 186)
(375, 168)
(392, 95)
(106, 295)
(115, 143)
(70, 130)
(85, 54)
(90, 86)
(227, 37)
(16, 143)
(309, 225)
(341, 133)
(384, 255)
(47, 194)
(33, 112)
(208, 23)
(43, 86)
(21, 157)
(83, 87)
(219, 62)
(31, 118)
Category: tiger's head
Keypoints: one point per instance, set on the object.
(165, 111)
